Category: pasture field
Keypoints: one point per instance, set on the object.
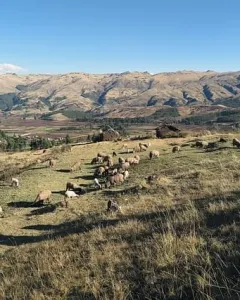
(177, 237)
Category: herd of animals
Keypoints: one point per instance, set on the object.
(108, 174)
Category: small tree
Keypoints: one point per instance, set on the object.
(68, 139)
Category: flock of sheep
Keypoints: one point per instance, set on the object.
(107, 173)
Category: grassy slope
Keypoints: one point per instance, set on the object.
(176, 239)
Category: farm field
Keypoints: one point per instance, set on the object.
(177, 238)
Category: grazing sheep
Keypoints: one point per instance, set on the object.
(137, 157)
(114, 154)
(113, 207)
(134, 161)
(52, 163)
(71, 194)
(110, 163)
(125, 174)
(71, 186)
(100, 171)
(107, 158)
(129, 159)
(124, 146)
(106, 168)
(142, 147)
(97, 183)
(201, 144)
(113, 172)
(101, 154)
(153, 153)
(97, 160)
(175, 149)
(121, 160)
(43, 195)
(125, 166)
(15, 182)
(145, 145)
(76, 167)
(137, 149)
(212, 145)
(222, 140)
(118, 178)
(236, 143)
(1, 210)
(107, 184)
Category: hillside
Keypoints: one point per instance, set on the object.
(113, 93)
(177, 238)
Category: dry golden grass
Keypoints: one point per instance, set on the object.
(178, 238)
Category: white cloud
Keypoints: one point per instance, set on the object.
(10, 68)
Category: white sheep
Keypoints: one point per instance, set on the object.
(15, 182)
(125, 174)
(97, 183)
(71, 194)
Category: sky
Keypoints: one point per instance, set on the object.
(107, 36)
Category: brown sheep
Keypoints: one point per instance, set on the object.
(113, 207)
(129, 159)
(113, 172)
(110, 163)
(222, 140)
(107, 158)
(71, 186)
(97, 160)
(76, 167)
(135, 161)
(137, 149)
(142, 147)
(101, 154)
(43, 195)
(114, 179)
(100, 171)
(175, 149)
(137, 157)
(125, 166)
(236, 143)
(146, 145)
(52, 163)
(153, 153)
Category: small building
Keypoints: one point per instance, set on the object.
(109, 135)
(164, 131)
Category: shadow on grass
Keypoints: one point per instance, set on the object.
(131, 190)
(24, 204)
(44, 210)
(38, 168)
(62, 192)
(63, 170)
(86, 177)
(158, 222)
(75, 292)
(5, 185)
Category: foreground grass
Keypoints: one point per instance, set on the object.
(178, 238)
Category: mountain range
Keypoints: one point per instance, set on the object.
(118, 94)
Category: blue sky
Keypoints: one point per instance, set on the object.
(100, 36)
